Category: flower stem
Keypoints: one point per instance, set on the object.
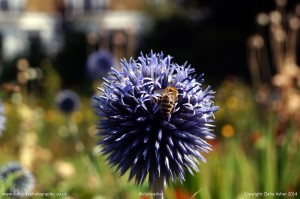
(158, 188)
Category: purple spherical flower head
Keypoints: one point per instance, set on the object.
(67, 101)
(23, 182)
(2, 117)
(99, 63)
(135, 133)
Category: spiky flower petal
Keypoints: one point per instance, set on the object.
(136, 135)
(23, 181)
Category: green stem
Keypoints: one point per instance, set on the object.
(86, 160)
(158, 188)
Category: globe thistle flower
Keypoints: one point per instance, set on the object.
(2, 117)
(148, 130)
(23, 181)
(67, 101)
(99, 63)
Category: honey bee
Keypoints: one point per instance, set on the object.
(167, 100)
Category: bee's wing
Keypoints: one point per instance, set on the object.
(160, 91)
(157, 95)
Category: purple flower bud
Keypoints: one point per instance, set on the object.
(99, 63)
(67, 101)
(23, 181)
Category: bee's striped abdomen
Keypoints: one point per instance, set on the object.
(166, 106)
(167, 100)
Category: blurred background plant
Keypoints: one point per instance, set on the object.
(15, 179)
(46, 47)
